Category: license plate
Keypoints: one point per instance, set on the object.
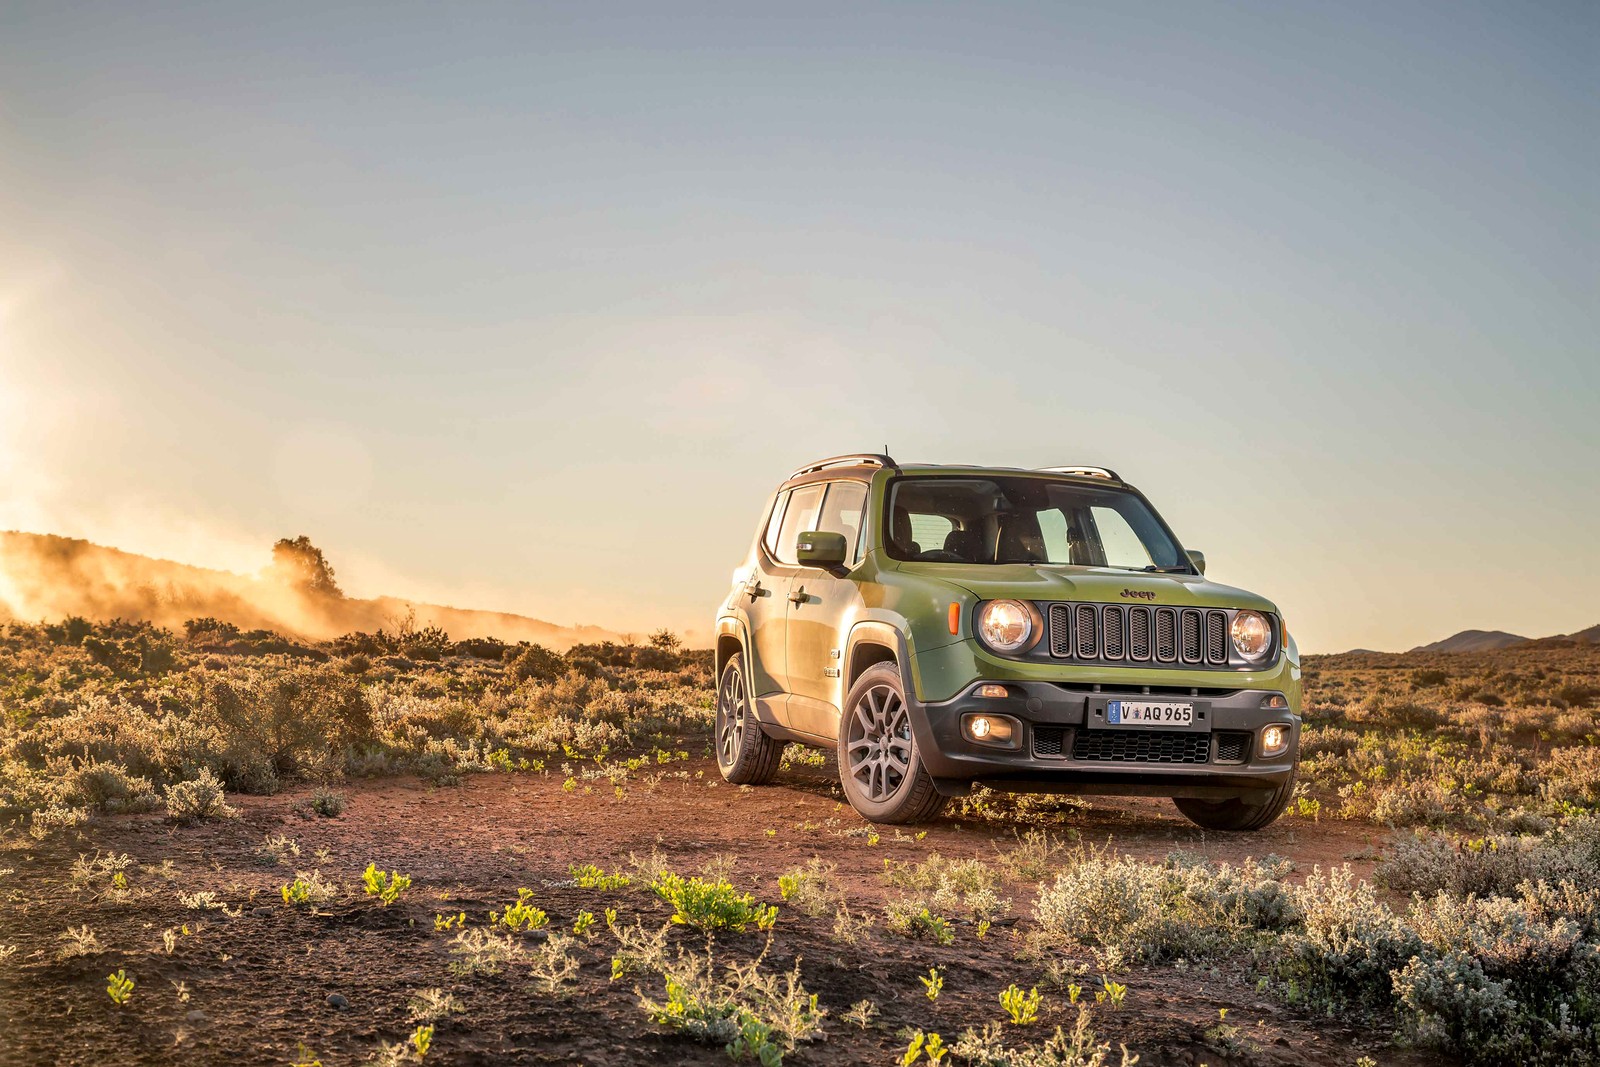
(1148, 713)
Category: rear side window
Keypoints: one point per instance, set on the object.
(773, 525)
(799, 516)
(841, 513)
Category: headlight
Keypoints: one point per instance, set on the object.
(1005, 625)
(1252, 635)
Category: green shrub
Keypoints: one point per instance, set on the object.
(535, 663)
(198, 800)
(712, 905)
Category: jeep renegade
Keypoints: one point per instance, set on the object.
(1031, 630)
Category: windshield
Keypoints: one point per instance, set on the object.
(1026, 520)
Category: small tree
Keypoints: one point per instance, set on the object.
(301, 565)
(665, 640)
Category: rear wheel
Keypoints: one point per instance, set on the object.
(745, 755)
(879, 765)
(1234, 813)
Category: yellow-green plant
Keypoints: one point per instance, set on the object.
(387, 886)
(1022, 1007)
(1112, 991)
(712, 905)
(584, 921)
(306, 889)
(930, 1044)
(422, 1040)
(589, 876)
(119, 987)
(933, 984)
(450, 922)
(520, 915)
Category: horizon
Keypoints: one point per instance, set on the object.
(532, 313)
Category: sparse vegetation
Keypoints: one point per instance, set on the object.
(1474, 936)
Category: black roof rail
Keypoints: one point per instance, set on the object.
(1090, 472)
(855, 459)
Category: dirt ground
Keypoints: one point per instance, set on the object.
(262, 983)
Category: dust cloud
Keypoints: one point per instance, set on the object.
(46, 578)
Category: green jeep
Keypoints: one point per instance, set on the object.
(1030, 630)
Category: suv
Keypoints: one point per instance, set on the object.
(1030, 630)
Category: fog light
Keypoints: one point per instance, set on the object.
(1274, 739)
(991, 690)
(990, 730)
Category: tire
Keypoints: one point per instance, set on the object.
(1234, 813)
(885, 781)
(745, 755)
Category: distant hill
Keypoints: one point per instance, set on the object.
(1473, 641)
(44, 577)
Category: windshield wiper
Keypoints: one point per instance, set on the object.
(1153, 569)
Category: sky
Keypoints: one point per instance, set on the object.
(529, 307)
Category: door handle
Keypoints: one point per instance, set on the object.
(798, 596)
(753, 589)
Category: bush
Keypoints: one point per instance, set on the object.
(327, 803)
(1346, 945)
(751, 1012)
(198, 800)
(535, 663)
(108, 787)
(1126, 909)
(1502, 980)
(276, 724)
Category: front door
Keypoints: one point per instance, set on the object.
(819, 604)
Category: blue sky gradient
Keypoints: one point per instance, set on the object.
(528, 307)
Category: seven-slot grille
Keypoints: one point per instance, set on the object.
(1117, 633)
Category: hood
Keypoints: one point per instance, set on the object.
(1102, 585)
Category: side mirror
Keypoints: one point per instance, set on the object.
(817, 548)
(1198, 559)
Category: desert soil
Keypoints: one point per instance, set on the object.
(262, 983)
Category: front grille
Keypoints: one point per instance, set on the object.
(1130, 746)
(1232, 746)
(1050, 741)
(1116, 633)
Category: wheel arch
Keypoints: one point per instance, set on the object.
(872, 643)
(731, 641)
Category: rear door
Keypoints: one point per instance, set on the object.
(819, 604)
(767, 600)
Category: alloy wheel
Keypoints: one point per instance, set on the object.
(878, 744)
(731, 707)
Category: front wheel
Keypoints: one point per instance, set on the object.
(1234, 813)
(745, 755)
(879, 765)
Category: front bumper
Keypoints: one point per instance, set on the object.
(1063, 744)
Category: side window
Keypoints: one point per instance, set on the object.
(1121, 546)
(774, 524)
(841, 513)
(798, 517)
